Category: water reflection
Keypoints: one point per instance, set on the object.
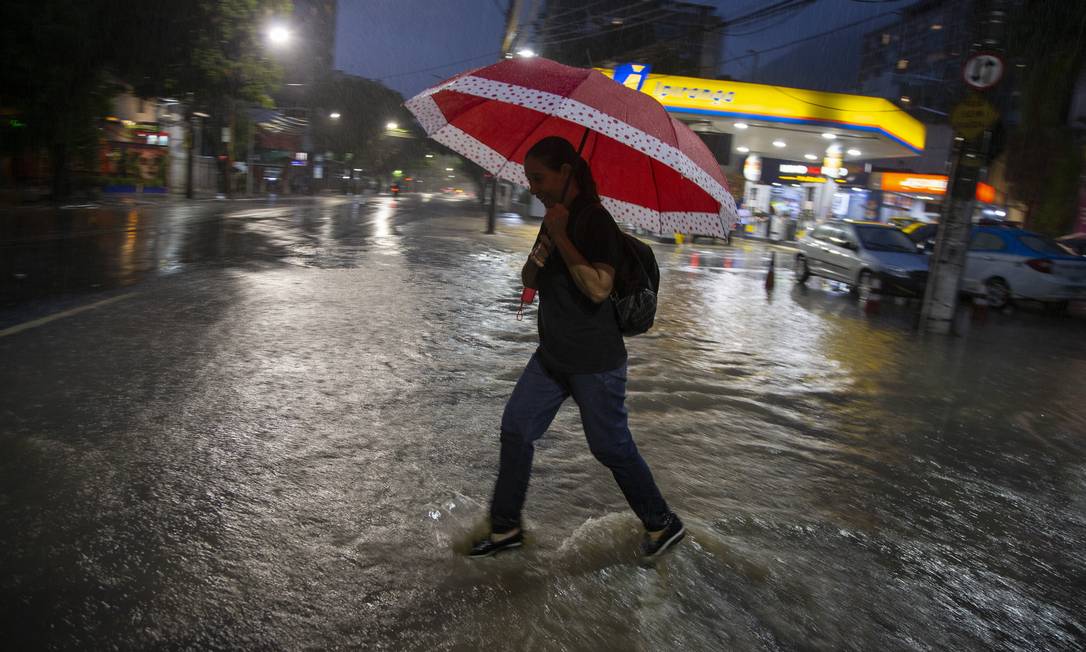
(847, 484)
(51, 252)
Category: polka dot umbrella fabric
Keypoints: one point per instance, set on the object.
(651, 171)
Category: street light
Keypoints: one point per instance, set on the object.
(278, 35)
(334, 115)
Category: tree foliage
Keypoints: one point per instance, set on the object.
(365, 107)
(64, 59)
(53, 78)
(1043, 158)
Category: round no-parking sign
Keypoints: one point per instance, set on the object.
(982, 71)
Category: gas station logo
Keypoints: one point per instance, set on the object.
(632, 75)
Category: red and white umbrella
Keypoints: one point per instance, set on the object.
(651, 171)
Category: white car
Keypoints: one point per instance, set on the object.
(861, 253)
(1007, 264)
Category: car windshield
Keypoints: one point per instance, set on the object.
(881, 238)
(1042, 245)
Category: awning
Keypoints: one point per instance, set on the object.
(802, 123)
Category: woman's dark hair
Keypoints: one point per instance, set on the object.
(554, 152)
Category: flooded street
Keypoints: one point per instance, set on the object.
(279, 430)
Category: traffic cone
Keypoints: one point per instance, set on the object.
(771, 272)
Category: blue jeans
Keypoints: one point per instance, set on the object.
(602, 400)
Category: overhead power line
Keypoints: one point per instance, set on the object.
(814, 36)
(448, 64)
(659, 13)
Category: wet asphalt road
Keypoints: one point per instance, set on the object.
(273, 425)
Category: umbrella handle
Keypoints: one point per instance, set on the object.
(526, 297)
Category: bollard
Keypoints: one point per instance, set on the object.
(874, 297)
(678, 238)
(980, 308)
(771, 272)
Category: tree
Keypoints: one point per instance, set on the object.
(1043, 158)
(361, 132)
(227, 64)
(54, 80)
(63, 59)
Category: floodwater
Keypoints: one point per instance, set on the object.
(283, 434)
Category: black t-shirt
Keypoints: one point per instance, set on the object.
(577, 336)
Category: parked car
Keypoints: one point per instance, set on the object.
(922, 234)
(1009, 264)
(1076, 242)
(858, 254)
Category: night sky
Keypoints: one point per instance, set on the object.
(413, 44)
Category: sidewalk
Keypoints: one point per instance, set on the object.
(788, 245)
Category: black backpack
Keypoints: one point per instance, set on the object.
(636, 285)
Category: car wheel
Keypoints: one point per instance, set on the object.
(999, 293)
(800, 270)
(864, 287)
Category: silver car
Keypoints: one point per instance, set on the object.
(867, 256)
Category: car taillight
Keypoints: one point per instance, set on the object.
(1042, 265)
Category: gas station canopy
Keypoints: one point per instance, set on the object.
(782, 122)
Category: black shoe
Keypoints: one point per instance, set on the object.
(486, 547)
(673, 533)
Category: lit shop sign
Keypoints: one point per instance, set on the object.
(812, 170)
(752, 168)
(932, 184)
(707, 96)
(800, 173)
(985, 193)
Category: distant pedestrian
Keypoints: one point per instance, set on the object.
(581, 353)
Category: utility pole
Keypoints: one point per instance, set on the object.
(972, 119)
(508, 39)
(190, 147)
(510, 36)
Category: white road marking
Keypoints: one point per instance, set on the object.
(61, 315)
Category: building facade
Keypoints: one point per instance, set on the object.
(679, 38)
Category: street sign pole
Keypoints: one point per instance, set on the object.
(972, 120)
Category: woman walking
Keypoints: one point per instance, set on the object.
(581, 353)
